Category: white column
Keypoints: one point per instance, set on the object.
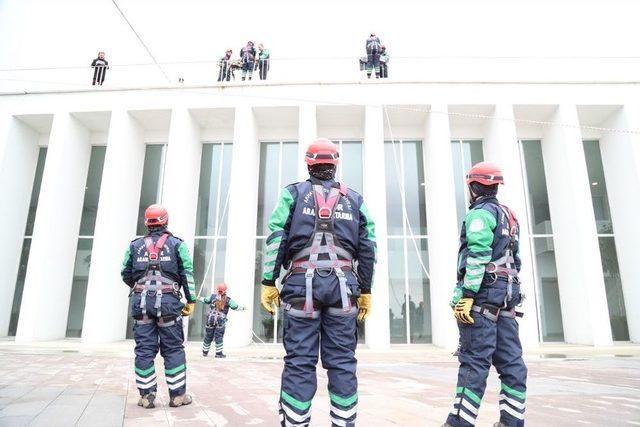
(17, 170)
(442, 224)
(500, 145)
(241, 237)
(621, 162)
(585, 316)
(375, 196)
(47, 288)
(105, 314)
(307, 132)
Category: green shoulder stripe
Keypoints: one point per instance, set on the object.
(281, 212)
(127, 256)
(479, 226)
(183, 253)
(371, 227)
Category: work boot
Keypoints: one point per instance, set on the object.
(181, 400)
(220, 356)
(499, 424)
(146, 401)
(205, 354)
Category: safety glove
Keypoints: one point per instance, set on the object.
(462, 311)
(364, 306)
(201, 299)
(188, 309)
(269, 297)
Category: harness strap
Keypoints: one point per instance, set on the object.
(323, 249)
(494, 313)
(294, 312)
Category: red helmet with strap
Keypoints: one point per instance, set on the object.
(221, 288)
(485, 173)
(322, 151)
(156, 216)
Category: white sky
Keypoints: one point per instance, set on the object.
(37, 33)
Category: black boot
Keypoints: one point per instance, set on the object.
(220, 356)
(182, 400)
(146, 401)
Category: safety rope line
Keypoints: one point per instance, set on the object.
(318, 101)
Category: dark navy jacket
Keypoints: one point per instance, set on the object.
(292, 224)
(175, 262)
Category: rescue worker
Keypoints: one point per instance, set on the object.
(219, 307)
(373, 55)
(484, 302)
(100, 67)
(156, 267)
(322, 232)
(225, 67)
(384, 62)
(264, 58)
(248, 57)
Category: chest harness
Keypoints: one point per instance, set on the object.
(323, 255)
(153, 282)
(505, 267)
(217, 317)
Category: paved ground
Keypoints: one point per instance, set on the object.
(67, 383)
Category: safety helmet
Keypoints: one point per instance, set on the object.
(485, 173)
(322, 151)
(156, 216)
(221, 288)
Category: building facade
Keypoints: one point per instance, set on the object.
(78, 168)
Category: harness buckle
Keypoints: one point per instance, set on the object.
(491, 267)
(324, 212)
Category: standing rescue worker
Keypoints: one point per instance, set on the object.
(484, 302)
(219, 307)
(322, 232)
(384, 62)
(248, 57)
(100, 67)
(373, 47)
(156, 267)
(264, 58)
(225, 66)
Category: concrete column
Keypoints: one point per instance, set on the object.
(307, 132)
(500, 145)
(581, 284)
(621, 162)
(47, 288)
(241, 235)
(442, 224)
(105, 314)
(17, 169)
(375, 196)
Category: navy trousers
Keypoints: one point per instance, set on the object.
(214, 332)
(165, 336)
(486, 343)
(332, 332)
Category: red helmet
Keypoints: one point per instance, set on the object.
(156, 215)
(485, 173)
(221, 288)
(322, 151)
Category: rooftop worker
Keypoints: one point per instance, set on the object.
(100, 67)
(384, 62)
(219, 305)
(248, 57)
(373, 47)
(264, 58)
(484, 302)
(225, 67)
(322, 232)
(156, 267)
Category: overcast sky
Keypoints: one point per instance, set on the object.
(70, 32)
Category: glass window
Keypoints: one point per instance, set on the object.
(152, 175)
(278, 168)
(598, 187)
(419, 295)
(397, 292)
(547, 282)
(85, 243)
(350, 166)
(26, 244)
(79, 287)
(464, 154)
(613, 287)
(537, 187)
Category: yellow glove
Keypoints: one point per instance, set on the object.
(188, 309)
(462, 310)
(269, 297)
(364, 306)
